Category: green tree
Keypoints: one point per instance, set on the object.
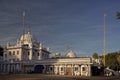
(111, 60)
(95, 55)
(118, 59)
(118, 15)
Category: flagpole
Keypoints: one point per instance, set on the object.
(23, 25)
(23, 43)
(104, 39)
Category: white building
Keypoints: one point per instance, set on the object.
(26, 50)
(28, 55)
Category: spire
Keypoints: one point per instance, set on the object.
(29, 29)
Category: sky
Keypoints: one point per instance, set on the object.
(63, 25)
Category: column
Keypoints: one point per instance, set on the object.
(79, 69)
(65, 70)
(72, 69)
(8, 68)
(59, 70)
(4, 68)
(56, 71)
(89, 70)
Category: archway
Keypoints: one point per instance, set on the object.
(39, 69)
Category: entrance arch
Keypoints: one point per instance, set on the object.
(38, 69)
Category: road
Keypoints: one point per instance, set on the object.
(51, 77)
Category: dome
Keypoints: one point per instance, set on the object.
(28, 38)
(71, 54)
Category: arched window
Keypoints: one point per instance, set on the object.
(84, 69)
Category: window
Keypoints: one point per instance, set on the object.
(76, 68)
(37, 54)
(13, 52)
(17, 59)
(9, 52)
(83, 69)
(61, 68)
(13, 60)
(28, 53)
(17, 52)
(5, 55)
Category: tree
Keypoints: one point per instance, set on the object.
(118, 59)
(118, 15)
(95, 56)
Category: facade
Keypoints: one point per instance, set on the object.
(28, 55)
(26, 50)
(66, 66)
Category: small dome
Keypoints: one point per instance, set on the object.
(71, 54)
(28, 38)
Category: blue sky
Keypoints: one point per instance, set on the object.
(63, 24)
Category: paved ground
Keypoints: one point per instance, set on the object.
(51, 77)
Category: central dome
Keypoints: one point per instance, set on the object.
(71, 54)
(28, 38)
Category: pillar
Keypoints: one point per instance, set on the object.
(4, 68)
(72, 69)
(65, 70)
(8, 68)
(56, 69)
(89, 70)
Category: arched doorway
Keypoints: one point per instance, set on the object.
(39, 69)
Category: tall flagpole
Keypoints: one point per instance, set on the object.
(23, 25)
(23, 43)
(104, 39)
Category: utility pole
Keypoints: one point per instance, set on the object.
(104, 39)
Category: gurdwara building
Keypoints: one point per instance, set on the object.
(28, 55)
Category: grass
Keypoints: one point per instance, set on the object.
(52, 77)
